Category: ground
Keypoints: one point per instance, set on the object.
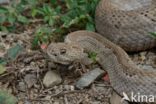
(24, 75)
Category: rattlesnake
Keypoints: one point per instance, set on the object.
(130, 33)
(127, 23)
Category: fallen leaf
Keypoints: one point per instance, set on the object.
(106, 78)
(13, 52)
(43, 46)
(2, 69)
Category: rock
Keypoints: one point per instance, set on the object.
(69, 87)
(56, 102)
(21, 86)
(142, 56)
(51, 79)
(4, 2)
(27, 102)
(146, 67)
(30, 80)
(116, 99)
(51, 65)
(88, 78)
(96, 102)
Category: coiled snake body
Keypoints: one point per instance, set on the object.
(127, 23)
(125, 26)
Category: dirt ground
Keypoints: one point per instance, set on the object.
(24, 76)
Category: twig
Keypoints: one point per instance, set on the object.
(66, 100)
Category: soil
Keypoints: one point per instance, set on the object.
(34, 63)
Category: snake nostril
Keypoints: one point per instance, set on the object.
(62, 51)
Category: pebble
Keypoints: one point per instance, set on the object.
(30, 80)
(51, 79)
(116, 99)
(21, 86)
(88, 78)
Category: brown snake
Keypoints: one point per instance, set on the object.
(127, 23)
(131, 34)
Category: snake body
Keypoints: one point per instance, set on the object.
(124, 75)
(127, 23)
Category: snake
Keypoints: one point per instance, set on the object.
(122, 25)
(127, 23)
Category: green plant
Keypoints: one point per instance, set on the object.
(92, 56)
(7, 98)
(153, 33)
(49, 14)
(61, 16)
(42, 35)
(78, 14)
(11, 15)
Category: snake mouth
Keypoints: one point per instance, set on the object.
(64, 62)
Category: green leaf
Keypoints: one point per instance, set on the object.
(47, 9)
(11, 19)
(53, 1)
(34, 12)
(3, 61)
(46, 18)
(22, 19)
(153, 33)
(2, 69)
(3, 10)
(11, 28)
(92, 55)
(51, 21)
(13, 52)
(32, 2)
(3, 28)
(35, 42)
(90, 27)
(7, 98)
(71, 4)
(2, 19)
(58, 9)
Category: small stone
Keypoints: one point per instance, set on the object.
(69, 87)
(56, 102)
(51, 65)
(21, 86)
(116, 99)
(88, 78)
(27, 102)
(96, 102)
(146, 67)
(51, 79)
(30, 80)
(4, 2)
(142, 56)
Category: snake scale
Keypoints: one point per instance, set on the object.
(126, 23)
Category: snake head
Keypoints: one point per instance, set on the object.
(65, 53)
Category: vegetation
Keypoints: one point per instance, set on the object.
(153, 33)
(92, 56)
(57, 17)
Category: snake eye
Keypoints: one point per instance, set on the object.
(62, 51)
